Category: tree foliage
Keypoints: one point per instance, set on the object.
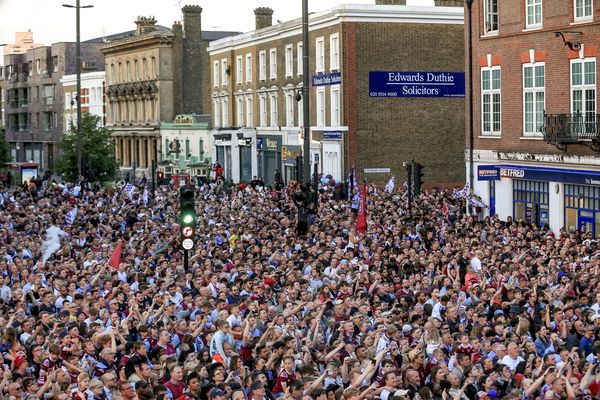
(98, 156)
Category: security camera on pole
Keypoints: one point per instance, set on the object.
(187, 220)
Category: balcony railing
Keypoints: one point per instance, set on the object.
(563, 129)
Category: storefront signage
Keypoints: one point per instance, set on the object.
(416, 84)
(512, 173)
(580, 177)
(333, 78)
(271, 145)
(377, 170)
(290, 152)
(332, 135)
(259, 144)
(488, 173)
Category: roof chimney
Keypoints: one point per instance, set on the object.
(449, 3)
(145, 25)
(390, 2)
(264, 17)
(192, 22)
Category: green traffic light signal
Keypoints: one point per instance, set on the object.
(188, 219)
(187, 209)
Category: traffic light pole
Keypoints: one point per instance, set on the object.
(409, 181)
(186, 260)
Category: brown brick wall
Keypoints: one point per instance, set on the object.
(510, 48)
(389, 131)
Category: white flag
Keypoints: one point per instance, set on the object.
(70, 217)
(389, 187)
(145, 196)
(129, 190)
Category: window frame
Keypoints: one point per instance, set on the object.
(534, 90)
(487, 15)
(320, 54)
(584, 17)
(335, 114)
(263, 117)
(248, 68)
(531, 5)
(300, 58)
(262, 65)
(249, 111)
(584, 87)
(289, 60)
(289, 108)
(334, 52)
(320, 107)
(239, 69)
(491, 92)
(224, 76)
(273, 63)
(216, 73)
(216, 112)
(273, 110)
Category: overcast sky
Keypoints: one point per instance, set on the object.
(51, 23)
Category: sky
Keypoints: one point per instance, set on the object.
(52, 23)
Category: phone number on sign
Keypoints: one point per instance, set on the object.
(383, 94)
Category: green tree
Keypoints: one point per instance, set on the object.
(4, 148)
(98, 156)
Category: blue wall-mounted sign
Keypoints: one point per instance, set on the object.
(259, 144)
(488, 173)
(416, 84)
(332, 135)
(547, 174)
(333, 78)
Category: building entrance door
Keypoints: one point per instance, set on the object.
(586, 222)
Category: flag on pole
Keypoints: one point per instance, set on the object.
(361, 219)
(70, 217)
(129, 188)
(115, 259)
(389, 187)
(145, 195)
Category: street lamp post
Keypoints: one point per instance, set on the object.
(471, 128)
(77, 7)
(305, 91)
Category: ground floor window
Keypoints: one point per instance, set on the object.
(582, 208)
(530, 201)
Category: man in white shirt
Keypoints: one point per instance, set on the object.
(512, 359)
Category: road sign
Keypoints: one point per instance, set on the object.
(187, 231)
(187, 244)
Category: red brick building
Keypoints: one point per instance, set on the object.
(536, 145)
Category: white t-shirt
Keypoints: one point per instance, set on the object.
(510, 362)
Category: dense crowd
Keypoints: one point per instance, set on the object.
(428, 303)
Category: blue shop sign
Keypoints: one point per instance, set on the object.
(332, 78)
(488, 173)
(332, 135)
(578, 177)
(416, 84)
(259, 144)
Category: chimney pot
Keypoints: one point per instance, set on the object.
(264, 17)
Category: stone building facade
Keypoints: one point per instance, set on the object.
(151, 77)
(34, 98)
(256, 77)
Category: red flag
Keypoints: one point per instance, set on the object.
(361, 219)
(115, 258)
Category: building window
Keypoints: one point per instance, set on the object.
(238, 69)
(289, 109)
(334, 52)
(55, 63)
(490, 9)
(144, 68)
(289, 60)
(187, 149)
(262, 65)
(224, 112)
(273, 63)
(320, 106)
(320, 54)
(490, 101)
(583, 87)
(274, 110)
(136, 69)
(262, 110)
(533, 11)
(300, 59)
(38, 66)
(216, 73)
(583, 10)
(533, 98)
(128, 67)
(217, 113)
(153, 62)
(531, 201)
(249, 112)
(239, 104)
(248, 68)
(335, 105)
(224, 76)
(582, 208)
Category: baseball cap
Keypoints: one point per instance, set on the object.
(216, 393)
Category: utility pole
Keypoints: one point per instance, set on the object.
(409, 183)
(305, 92)
(77, 8)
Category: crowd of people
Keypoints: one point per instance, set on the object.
(428, 303)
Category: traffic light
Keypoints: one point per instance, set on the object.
(187, 212)
(418, 171)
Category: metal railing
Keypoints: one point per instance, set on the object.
(570, 128)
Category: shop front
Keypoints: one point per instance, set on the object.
(545, 196)
(269, 157)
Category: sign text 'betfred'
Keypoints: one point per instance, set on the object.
(512, 173)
